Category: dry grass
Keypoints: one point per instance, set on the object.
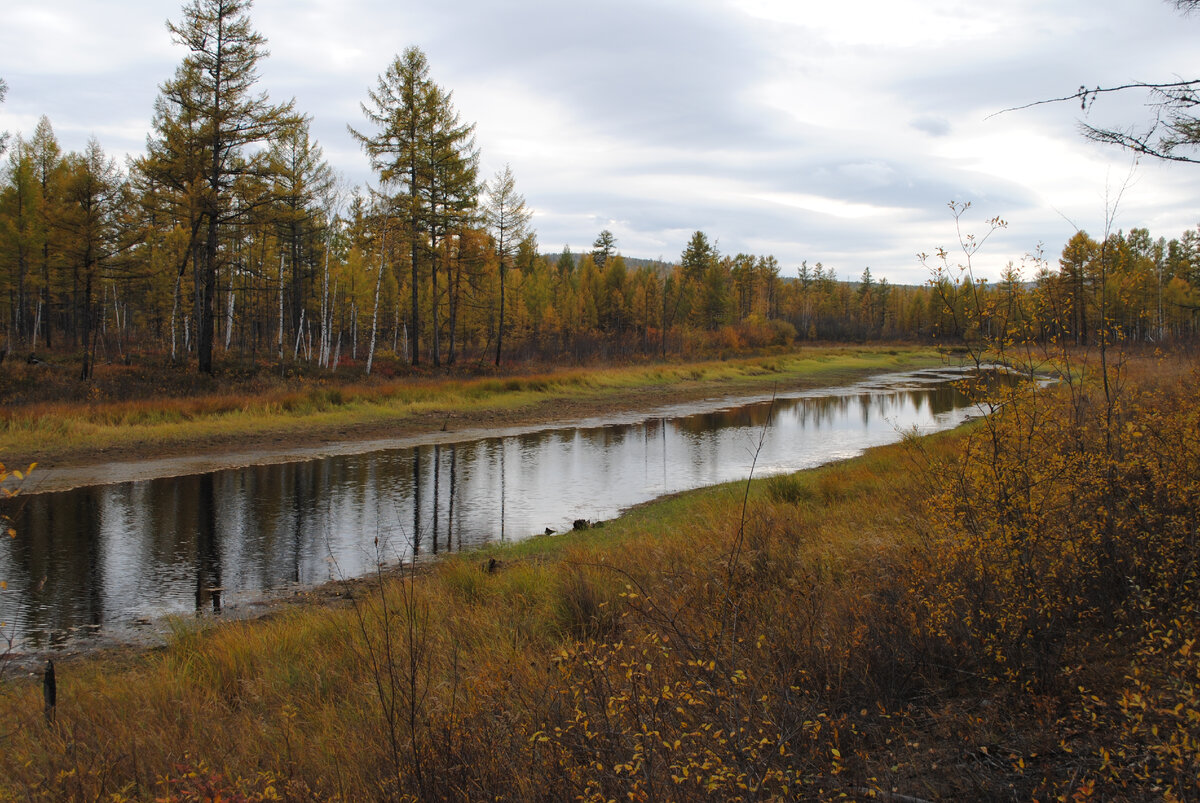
(811, 647)
(49, 415)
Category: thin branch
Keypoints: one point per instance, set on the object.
(1083, 93)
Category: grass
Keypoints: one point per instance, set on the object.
(289, 702)
(64, 431)
(821, 643)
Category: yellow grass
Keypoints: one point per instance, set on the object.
(59, 431)
(801, 642)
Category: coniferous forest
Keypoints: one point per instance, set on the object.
(232, 239)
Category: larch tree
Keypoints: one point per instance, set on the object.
(18, 241)
(426, 157)
(48, 166)
(1077, 268)
(171, 175)
(3, 134)
(397, 107)
(89, 221)
(508, 223)
(451, 197)
(301, 181)
(206, 118)
(603, 249)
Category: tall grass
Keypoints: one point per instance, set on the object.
(63, 430)
(520, 662)
(829, 642)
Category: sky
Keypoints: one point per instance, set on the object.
(828, 132)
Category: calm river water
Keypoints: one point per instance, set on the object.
(105, 559)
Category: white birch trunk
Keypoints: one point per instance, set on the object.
(299, 337)
(329, 337)
(229, 320)
(279, 344)
(37, 325)
(323, 346)
(375, 311)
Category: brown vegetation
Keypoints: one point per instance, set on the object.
(132, 412)
(1004, 613)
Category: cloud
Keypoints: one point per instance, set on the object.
(812, 131)
(931, 124)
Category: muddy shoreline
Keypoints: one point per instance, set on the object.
(114, 466)
(140, 461)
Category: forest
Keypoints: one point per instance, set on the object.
(231, 239)
(1007, 610)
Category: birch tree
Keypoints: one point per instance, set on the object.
(508, 223)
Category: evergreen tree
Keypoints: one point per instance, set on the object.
(422, 149)
(566, 262)
(698, 256)
(206, 117)
(603, 249)
(867, 305)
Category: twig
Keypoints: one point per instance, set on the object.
(893, 796)
(1083, 93)
(736, 552)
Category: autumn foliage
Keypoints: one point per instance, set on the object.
(1004, 612)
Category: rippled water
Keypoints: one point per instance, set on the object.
(107, 557)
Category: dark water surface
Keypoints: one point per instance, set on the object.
(106, 558)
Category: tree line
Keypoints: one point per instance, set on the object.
(231, 237)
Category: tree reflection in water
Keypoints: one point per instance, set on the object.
(108, 556)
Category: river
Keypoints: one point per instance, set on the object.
(102, 560)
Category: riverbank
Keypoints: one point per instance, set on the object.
(896, 626)
(296, 703)
(82, 443)
(198, 543)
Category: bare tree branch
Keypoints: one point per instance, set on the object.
(1175, 126)
(1087, 96)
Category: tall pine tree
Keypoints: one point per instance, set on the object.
(206, 117)
(426, 159)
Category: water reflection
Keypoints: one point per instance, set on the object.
(110, 556)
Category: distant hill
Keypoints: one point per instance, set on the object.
(787, 275)
(630, 262)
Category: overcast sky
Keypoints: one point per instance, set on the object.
(819, 131)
